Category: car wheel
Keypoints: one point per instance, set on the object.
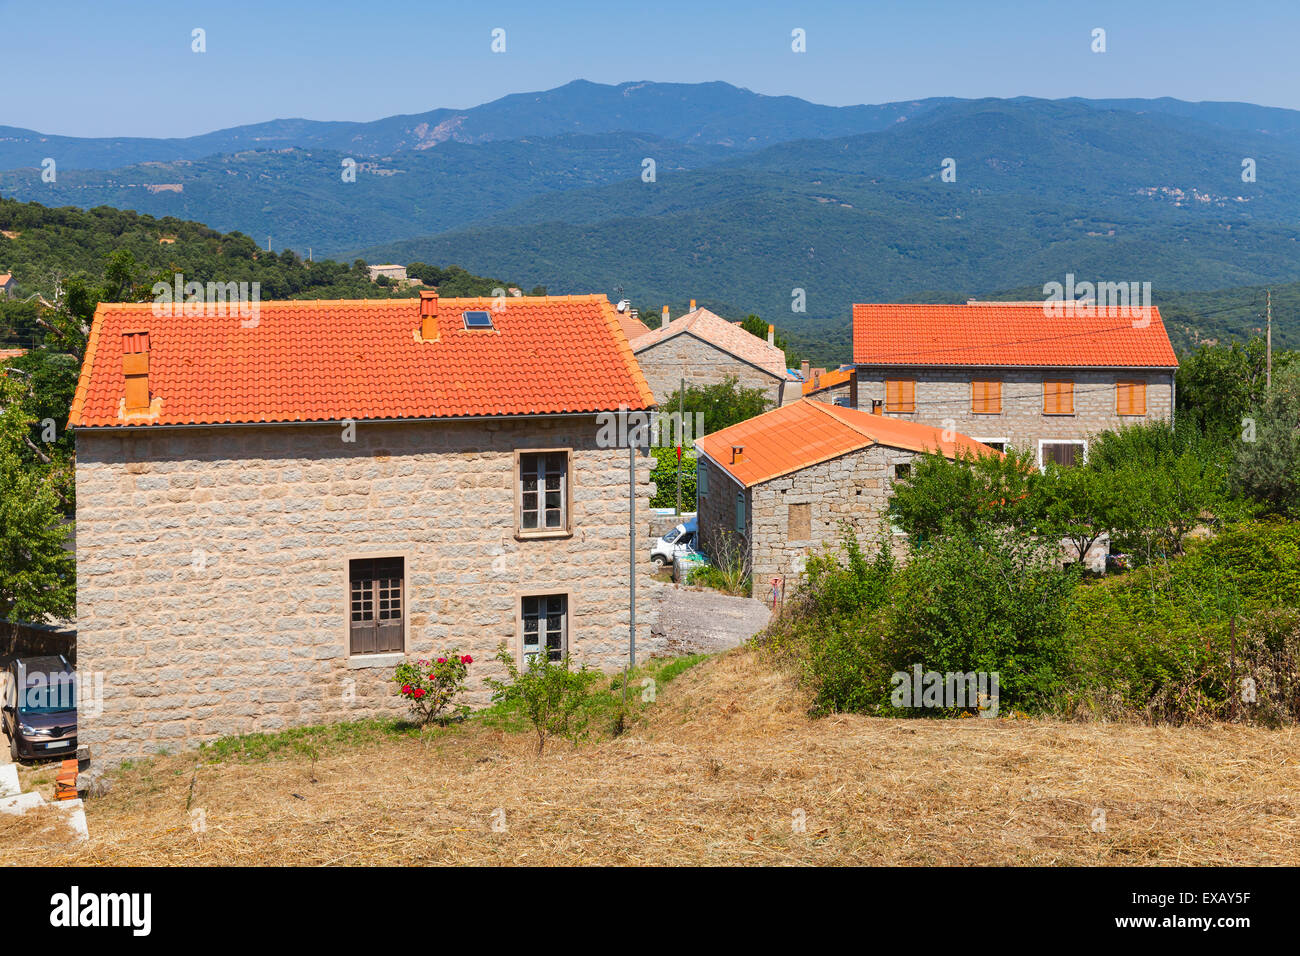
(660, 560)
(13, 750)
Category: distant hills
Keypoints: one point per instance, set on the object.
(752, 198)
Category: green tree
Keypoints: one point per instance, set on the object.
(1079, 504)
(942, 495)
(1266, 463)
(723, 404)
(37, 573)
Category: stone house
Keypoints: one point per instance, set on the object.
(838, 387)
(779, 486)
(1011, 374)
(7, 285)
(393, 271)
(705, 349)
(273, 512)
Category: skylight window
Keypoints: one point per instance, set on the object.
(478, 320)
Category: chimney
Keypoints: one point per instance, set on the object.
(664, 321)
(876, 405)
(804, 367)
(135, 367)
(429, 314)
(692, 305)
(771, 334)
(737, 454)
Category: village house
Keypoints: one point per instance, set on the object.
(705, 349)
(389, 270)
(7, 285)
(1010, 375)
(838, 387)
(273, 512)
(775, 488)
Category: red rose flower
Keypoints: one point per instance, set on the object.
(442, 660)
(406, 688)
(419, 693)
(467, 659)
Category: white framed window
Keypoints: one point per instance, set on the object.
(1000, 444)
(1063, 451)
(545, 619)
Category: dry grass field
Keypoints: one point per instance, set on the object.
(720, 772)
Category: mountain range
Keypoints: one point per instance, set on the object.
(674, 191)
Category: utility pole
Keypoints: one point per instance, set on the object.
(1268, 344)
(631, 558)
(681, 437)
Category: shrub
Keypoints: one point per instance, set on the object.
(430, 687)
(728, 567)
(987, 602)
(551, 695)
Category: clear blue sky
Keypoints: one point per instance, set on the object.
(125, 67)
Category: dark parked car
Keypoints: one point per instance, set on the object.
(40, 707)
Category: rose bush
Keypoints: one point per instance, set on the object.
(431, 687)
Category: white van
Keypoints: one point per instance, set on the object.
(681, 540)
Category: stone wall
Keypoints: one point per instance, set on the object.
(853, 488)
(716, 511)
(945, 394)
(685, 356)
(213, 566)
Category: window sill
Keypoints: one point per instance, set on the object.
(534, 535)
(363, 661)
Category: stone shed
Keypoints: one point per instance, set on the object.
(780, 486)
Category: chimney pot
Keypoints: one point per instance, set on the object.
(737, 454)
(771, 334)
(135, 368)
(692, 305)
(428, 314)
(664, 321)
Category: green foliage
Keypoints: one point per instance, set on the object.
(664, 475)
(942, 495)
(1268, 468)
(757, 326)
(723, 404)
(550, 693)
(988, 603)
(37, 572)
(980, 602)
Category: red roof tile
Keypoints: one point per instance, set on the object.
(316, 360)
(1008, 333)
(827, 380)
(808, 432)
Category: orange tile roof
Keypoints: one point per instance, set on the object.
(6, 354)
(1007, 333)
(717, 331)
(318, 360)
(808, 432)
(827, 380)
(5, 277)
(632, 328)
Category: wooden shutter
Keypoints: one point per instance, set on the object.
(1065, 454)
(900, 395)
(1130, 398)
(986, 397)
(377, 605)
(1058, 397)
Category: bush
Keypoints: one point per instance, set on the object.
(431, 686)
(664, 476)
(551, 695)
